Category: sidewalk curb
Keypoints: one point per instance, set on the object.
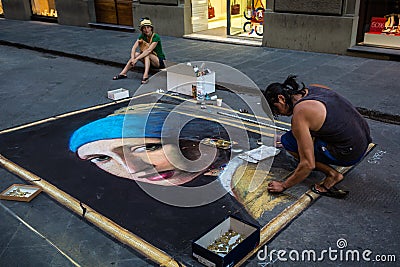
(64, 54)
(138, 69)
(379, 116)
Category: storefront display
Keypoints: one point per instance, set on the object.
(392, 24)
(1, 9)
(240, 18)
(44, 8)
(255, 18)
(383, 30)
(211, 10)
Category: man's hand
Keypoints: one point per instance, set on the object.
(276, 187)
(278, 143)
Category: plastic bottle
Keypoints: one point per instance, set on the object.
(200, 94)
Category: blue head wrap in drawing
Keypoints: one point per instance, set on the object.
(118, 126)
(150, 125)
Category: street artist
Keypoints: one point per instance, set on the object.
(326, 130)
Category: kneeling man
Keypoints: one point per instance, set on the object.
(326, 130)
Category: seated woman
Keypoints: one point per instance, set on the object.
(151, 52)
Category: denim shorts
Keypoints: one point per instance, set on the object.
(321, 152)
(161, 62)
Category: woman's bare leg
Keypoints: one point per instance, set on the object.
(154, 61)
(128, 66)
(146, 62)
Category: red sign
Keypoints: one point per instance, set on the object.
(377, 24)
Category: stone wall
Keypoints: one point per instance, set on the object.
(160, 2)
(167, 20)
(74, 12)
(328, 34)
(333, 7)
(17, 9)
(311, 25)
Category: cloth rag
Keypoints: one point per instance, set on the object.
(260, 153)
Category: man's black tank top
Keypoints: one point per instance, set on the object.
(345, 131)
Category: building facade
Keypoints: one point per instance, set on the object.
(328, 26)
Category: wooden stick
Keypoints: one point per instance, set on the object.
(253, 121)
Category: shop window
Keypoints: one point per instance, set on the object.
(44, 8)
(243, 18)
(1, 9)
(250, 19)
(381, 25)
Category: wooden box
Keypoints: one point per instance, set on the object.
(20, 192)
(251, 238)
(118, 94)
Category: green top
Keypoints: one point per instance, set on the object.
(158, 49)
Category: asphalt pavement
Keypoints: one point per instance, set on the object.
(49, 69)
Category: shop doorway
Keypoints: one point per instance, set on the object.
(118, 12)
(228, 18)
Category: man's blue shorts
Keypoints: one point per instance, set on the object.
(321, 152)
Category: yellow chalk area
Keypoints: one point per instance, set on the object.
(260, 200)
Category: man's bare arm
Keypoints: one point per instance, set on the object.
(306, 116)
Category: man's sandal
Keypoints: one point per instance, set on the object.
(119, 77)
(331, 192)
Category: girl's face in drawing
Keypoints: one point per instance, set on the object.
(141, 159)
